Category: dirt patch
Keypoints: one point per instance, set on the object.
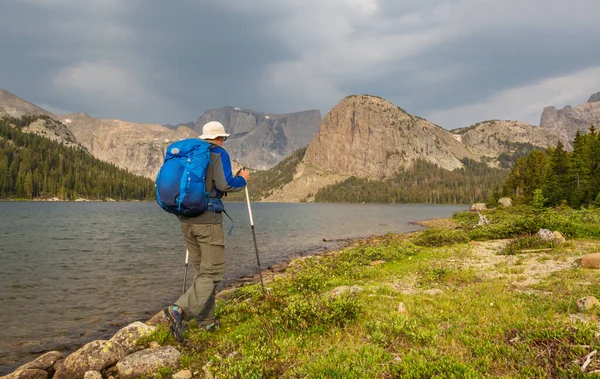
(522, 270)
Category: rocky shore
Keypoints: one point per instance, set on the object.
(123, 356)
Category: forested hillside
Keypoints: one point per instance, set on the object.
(557, 176)
(263, 183)
(422, 183)
(34, 167)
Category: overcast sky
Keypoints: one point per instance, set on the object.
(454, 62)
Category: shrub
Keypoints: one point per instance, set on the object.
(526, 241)
(441, 237)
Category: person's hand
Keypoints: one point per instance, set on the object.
(244, 174)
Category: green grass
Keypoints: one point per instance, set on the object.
(477, 326)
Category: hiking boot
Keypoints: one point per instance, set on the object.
(175, 321)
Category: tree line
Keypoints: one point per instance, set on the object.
(424, 182)
(556, 176)
(34, 167)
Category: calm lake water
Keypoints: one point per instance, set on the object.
(75, 272)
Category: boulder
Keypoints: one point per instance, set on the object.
(129, 335)
(32, 373)
(145, 362)
(558, 237)
(545, 234)
(478, 207)
(158, 319)
(402, 308)
(587, 303)
(591, 261)
(44, 361)
(183, 374)
(92, 375)
(505, 202)
(94, 356)
(482, 220)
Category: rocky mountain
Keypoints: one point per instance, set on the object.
(368, 137)
(261, 140)
(567, 121)
(138, 148)
(489, 139)
(53, 130)
(15, 106)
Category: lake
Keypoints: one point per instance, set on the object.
(73, 272)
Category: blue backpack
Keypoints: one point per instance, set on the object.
(181, 181)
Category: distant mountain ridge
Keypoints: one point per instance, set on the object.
(138, 148)
(15, 106)
(368, 137)
(261, 140)
(363, 136)
(567, 121)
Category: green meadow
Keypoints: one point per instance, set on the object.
(456, 300)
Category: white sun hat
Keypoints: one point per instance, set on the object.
(212, 130)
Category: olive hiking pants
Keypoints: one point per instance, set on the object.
(206, 246)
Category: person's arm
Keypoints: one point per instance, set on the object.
(223, 176)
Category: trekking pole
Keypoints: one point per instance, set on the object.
(254, 237)
(187, 255)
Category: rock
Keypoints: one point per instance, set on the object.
(43, 362)
(145, 362)
(279, 268)
(558, 237)
(477, 207)
(154, 345)
(400, 138)
(402, 308)
(587, 303)
(545, 234)
(343, 290)
(569, 120)
(482, 220)
(376, 263)
(129, 335)
(433, 292)
(158, 319)
(32, 373)
(96, 355)
(591, 261)
(296, 263)
(505, 202)
(183, 374)
(92, 375)
(594, 98)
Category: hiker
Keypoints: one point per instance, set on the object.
(205, 240)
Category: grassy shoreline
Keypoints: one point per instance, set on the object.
(452, 301)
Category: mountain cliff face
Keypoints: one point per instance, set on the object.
(53, 130)
(567, 121)
(15, 106)
(138, 148)
(489, 139)
(261, 140)
(369, 137)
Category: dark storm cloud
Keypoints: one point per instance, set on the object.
(453, 61)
